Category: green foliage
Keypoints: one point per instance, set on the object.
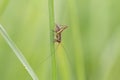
(18, 53)
(52, 45)
(89, 48)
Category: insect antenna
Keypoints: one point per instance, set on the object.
(45, 59)
(66, 51)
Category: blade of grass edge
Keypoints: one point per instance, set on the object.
(52, 46)
(18, 53)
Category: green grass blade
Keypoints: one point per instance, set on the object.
(18, 53)
(52, 47)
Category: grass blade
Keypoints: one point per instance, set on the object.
(18, 53)
(52, 47)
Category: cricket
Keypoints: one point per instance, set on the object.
(57, 38)
(58, 30)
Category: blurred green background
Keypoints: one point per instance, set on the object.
(90, 48)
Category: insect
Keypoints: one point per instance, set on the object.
(58, 30)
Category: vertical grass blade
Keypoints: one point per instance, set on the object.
(18, 53)
(52, 47)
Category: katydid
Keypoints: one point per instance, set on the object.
(58, 30)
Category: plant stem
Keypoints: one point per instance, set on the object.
(52, 46)
(18, 53)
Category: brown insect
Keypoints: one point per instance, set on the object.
(58, 30)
